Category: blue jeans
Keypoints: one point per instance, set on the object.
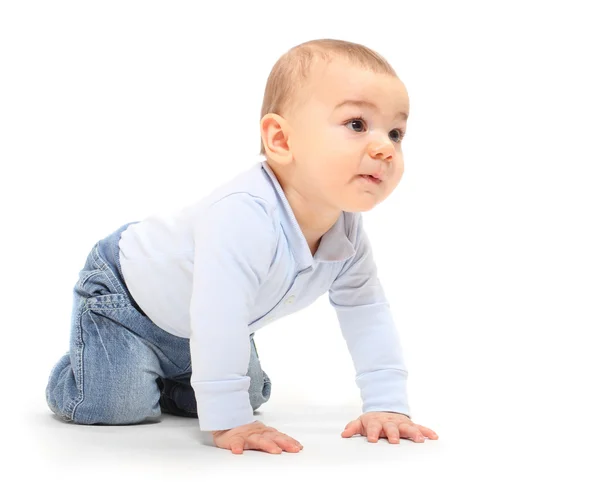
(122, 368)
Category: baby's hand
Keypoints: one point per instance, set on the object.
(391, 424)
(255, 436)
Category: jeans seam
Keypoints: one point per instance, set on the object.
(106, 305)
(78, 372)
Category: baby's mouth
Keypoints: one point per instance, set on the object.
(370, 178)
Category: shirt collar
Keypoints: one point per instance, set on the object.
(334, 246)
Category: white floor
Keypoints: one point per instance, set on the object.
(44, 451)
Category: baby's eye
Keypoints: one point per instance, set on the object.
(396, 133)
(357, 124)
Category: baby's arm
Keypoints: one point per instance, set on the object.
(368, 327)
(234, 244)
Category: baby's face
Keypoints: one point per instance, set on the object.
(335, 143)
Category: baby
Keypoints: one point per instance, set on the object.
(165, 309)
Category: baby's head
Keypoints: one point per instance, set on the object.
(317, 141)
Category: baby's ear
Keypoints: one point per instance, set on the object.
(275, 133)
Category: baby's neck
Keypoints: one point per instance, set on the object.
(314, 221)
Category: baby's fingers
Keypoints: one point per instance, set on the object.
(269, 445)
(392, 432)
(237, 444)
(354, 427)
(411, 432)
(374, 431)
(287, 443)
(427, 432)
(262, 443)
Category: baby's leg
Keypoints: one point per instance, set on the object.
(109, 375)
(116, 353)
(178, 397)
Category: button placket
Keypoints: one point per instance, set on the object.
(291, 299)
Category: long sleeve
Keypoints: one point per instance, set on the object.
(234, 245)
(368, 328)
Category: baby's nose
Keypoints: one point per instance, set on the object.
(383, 150)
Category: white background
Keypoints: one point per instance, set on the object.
(488, 249)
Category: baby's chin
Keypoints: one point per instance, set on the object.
(359, 207)
(359, 202)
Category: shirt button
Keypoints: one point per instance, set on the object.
(290, 300)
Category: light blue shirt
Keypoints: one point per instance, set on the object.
(234, 261)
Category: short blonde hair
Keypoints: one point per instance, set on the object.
(292, 70)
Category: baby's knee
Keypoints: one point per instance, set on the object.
(118, 401)
(118, 405)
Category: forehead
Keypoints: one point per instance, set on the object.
(338, 81)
